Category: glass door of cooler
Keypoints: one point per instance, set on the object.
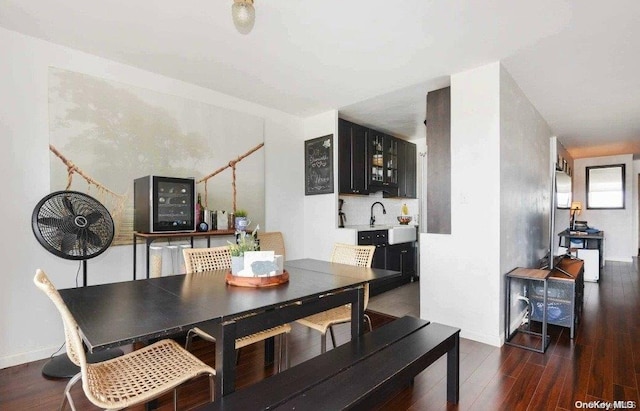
(173, 204)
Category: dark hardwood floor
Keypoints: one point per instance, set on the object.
(601, 364)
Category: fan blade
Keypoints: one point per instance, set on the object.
(51, 221)
(68, 205)
(93, 217)
(68, 242)
(94, 239)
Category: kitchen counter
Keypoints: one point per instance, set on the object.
(367, 227)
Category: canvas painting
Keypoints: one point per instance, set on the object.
(105, 134)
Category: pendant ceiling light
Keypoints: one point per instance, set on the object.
(244, 15)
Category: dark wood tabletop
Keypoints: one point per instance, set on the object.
(115, 314)
(327, 267)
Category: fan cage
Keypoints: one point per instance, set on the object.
(73, 225)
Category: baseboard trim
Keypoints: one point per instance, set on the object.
(619, 259)
(25, 357)
(495, 341)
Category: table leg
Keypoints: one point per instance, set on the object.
(134, 256)
(357, 312)
(269, 350)
(453, 371)
(148, 244)
(225, 379)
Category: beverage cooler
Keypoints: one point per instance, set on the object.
(164, 204)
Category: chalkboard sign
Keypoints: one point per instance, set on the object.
(318, 165)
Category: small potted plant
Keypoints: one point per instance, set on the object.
(245, 242)
(241, 220)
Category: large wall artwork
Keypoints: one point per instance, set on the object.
(104, 134)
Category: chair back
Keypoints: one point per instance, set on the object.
(75, 349)
(272, 241)
(358, 255)
(197, 260)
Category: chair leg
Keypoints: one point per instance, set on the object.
(333, 337)
(323, 343)
(64, 402)
(287, 358)
(368, 320)
(187, 343)
(175, 399)
(67, 392)
(211, 387)
(280, 349)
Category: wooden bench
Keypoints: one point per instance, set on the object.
(358, 374)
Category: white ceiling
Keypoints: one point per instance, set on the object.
(578, 61)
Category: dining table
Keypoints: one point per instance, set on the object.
(116, 314)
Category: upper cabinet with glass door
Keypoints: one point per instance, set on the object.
(383, 160)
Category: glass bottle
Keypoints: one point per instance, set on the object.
(199, 210)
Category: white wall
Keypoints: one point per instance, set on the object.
(500, 189)
(29, 327)
(460, 272)
(619, 226)
(320, 210)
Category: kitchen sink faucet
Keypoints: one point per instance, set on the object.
(372, 220)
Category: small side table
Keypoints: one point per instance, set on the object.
(519, 283)
(151, 237)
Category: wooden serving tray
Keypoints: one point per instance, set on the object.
(257, 281)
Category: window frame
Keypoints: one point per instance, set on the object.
(623, 178)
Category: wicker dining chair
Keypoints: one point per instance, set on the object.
(133, 378)
(217, 258)
(272, 241)
(358, 255)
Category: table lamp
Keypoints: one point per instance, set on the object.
(575, 210)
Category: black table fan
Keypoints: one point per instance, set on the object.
(73, 226)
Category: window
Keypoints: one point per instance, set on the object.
(605, 187)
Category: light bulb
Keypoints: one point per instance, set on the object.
(244, 15)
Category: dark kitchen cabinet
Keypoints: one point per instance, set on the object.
(407, 164)
(379, 239)
(370, 161)
(402, 257)
(397, 257)
(352, 158)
